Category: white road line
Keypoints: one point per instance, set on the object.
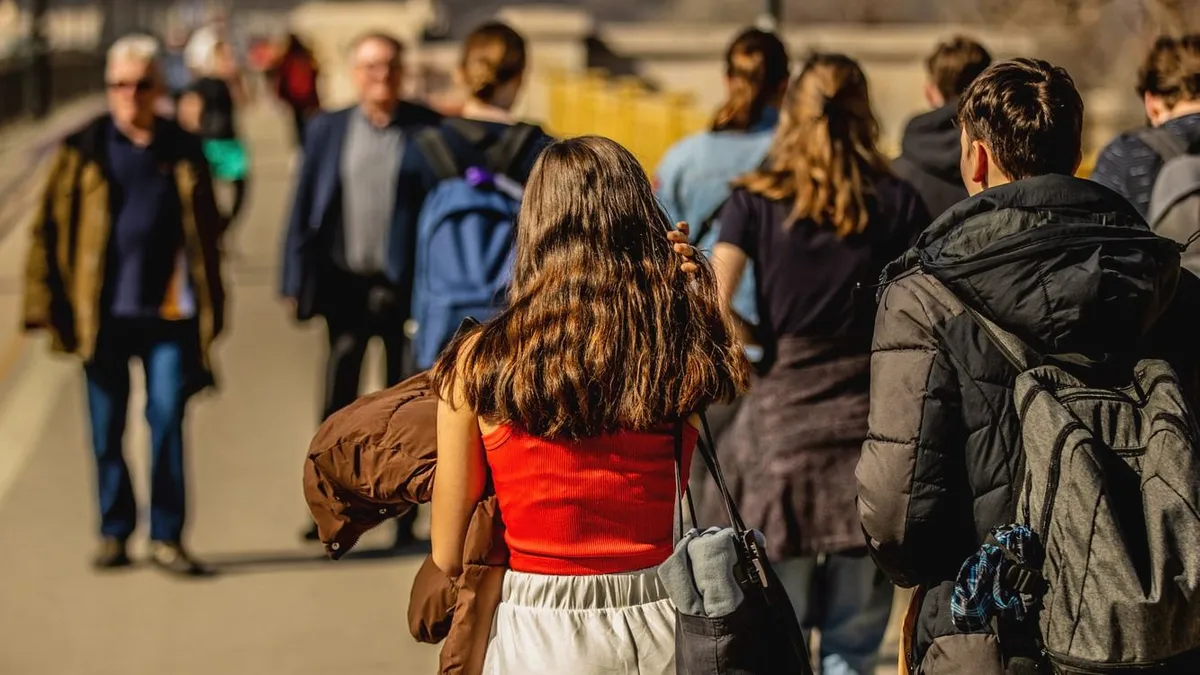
(26, 410)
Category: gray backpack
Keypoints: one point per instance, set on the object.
(1175, 201)
(1111, 491)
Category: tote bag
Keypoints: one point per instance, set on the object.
(733, 616)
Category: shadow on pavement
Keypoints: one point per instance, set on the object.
(257, 562)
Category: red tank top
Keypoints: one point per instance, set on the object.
(597, 506)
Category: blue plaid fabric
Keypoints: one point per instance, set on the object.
(980, 593)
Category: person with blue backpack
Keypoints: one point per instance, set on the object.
(476, 168)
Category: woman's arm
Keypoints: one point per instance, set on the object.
(460, 481)
(729, 263)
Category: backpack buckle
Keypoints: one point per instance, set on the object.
(1025, 580)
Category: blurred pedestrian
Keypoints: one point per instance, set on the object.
(141, 279)
(209, 108)
(1169, 86)
(176, 74)
(582, 455)
(469, 215)
(930, 148)
(1069, 266)
(818, 220)
(347, 254)
(695, 177)
(295, 77)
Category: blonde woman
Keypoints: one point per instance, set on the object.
(818, 221)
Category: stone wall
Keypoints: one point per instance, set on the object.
(679, 55)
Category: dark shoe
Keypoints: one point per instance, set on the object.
(173, 558)
(404, 537)
(112, 554)
(311, 534)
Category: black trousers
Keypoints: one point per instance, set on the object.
(363, 309)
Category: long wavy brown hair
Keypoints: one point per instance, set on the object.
(603, 332)
(825, 156)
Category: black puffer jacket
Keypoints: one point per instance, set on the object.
(1068, 266)
(929, 158)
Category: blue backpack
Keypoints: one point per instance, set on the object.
(465, 233)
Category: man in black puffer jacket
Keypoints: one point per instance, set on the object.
(930, 145)
(1041, 254)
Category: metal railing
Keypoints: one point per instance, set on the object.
(28, 89)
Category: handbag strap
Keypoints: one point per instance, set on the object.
(706, 448)
(682, 493)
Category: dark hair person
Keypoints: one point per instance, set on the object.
(756, 73)
(930, 145)
(1024, 119)
(820, 218)
(943, 463)
(492, 70)
(1168, 84)
(570, 402)
(694, 178)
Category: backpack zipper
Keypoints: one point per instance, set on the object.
(1055, 477)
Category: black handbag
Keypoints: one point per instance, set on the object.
(762, 635)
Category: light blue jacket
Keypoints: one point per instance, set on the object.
(692, 183)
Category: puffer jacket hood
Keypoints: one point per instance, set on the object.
(932, 141)
(1065, 264)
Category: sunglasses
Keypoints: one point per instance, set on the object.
(140, 86)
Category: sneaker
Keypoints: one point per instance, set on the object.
(171, 557)
(311, 534)
(111, 555)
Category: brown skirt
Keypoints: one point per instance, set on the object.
(790, 454)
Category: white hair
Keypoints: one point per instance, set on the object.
(200, 54)
(138, 47)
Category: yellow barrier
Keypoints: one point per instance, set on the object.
(623, 109)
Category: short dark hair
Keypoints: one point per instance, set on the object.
(955, 63)
(1029, 114)
(1172, 69)
(378, 36)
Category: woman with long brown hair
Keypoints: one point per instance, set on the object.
(572, 403)
(818, 221)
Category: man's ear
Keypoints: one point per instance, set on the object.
(932, 96)
(1157, 110)
(981, 163)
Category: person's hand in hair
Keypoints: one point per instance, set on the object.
(683, 247)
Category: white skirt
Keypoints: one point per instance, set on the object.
(608, 624)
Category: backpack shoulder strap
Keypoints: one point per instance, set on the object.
(504, 154)
(1019, 354)
(474, 132)
(433, 146)
(1165, 144)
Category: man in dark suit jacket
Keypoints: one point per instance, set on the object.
(348, 253)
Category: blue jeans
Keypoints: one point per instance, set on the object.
(168, 351)
(850, 603)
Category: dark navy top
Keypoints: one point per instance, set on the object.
(1130, 167)
(808, 277)
(147, 229)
